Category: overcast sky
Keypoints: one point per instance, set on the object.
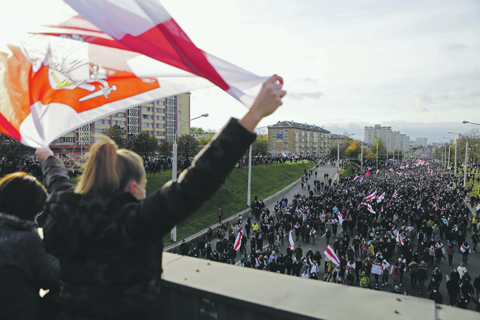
(411, 65)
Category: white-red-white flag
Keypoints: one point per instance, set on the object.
(330, 254)
(238, 241)
(369, 207)
(380, 198)
(356, 177)
(367, 174)
(399, 238)
(340, 218)
(395, 194)
(291, 244)
(371, 197)
(83, 60)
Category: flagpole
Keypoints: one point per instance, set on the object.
(361, 165)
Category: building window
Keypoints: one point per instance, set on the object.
(68, 139)
(119, 114)
(161, 103)
(274, 137)
(285, 142)
(285, 149)
(147, 116)
(147, 125)
(274, 130)
(286, 130)
(159, 110)
(147, 108)
(179, 105)
(274, 143)
(179, 98)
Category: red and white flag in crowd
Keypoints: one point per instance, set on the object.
(371, 197)
(356, 177)
(464, 248)
(238, 241)
(340, 218)
(402, 167)
(367, 174)
(399, 238)
(369, 207)
(380, 198)
(391, 169)
(291, 244)
(395, 194)
(80, 61)
(330, 254)
(414, 188)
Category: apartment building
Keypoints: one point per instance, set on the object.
(160, 118)
(293, 138)
(392, 140)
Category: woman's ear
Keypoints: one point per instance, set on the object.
(130, 187)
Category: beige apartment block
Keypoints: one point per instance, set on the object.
(293, 138)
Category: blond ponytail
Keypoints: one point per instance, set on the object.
(100, 174)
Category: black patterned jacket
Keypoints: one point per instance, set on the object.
(109, 246)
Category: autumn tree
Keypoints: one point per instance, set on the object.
(353, 150)
(13, 150)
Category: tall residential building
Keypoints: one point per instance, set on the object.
(392, 140)
(293, 138)
(160, 118)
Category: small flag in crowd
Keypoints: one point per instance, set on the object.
(379, 199)
(369, 207)
(330, 254)
(367, 174)
(340, 218)
(395, 194)
(371, 197)
(291, 244)
(238, 241)
(355, 177)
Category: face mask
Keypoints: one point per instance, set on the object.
(143, 190)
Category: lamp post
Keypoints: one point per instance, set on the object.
(173, 233)
(466, 163)
(455, 152)
(249, 188)
(465, 122)
(361, 160)
(338, 154)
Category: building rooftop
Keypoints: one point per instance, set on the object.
(297, 125)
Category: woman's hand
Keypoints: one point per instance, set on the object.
(43, 153)
(267, 101)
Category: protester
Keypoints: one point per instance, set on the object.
(108, 235)
(25, 267)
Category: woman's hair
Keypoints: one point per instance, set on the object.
(109, 169)
(22, 195)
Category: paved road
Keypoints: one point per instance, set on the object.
(473, 266)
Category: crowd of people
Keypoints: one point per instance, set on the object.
(400, 221)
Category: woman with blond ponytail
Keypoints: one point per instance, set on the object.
(108, 236)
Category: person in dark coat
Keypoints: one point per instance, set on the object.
(453, 290)
(25, 267)
(108, 234)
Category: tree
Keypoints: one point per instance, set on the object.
(260, 146)
(196, 130)
(382, 151)
(205, 140)
(353, 150)
(144, 144)
(187, 146)
(13, 150)
(166, 148)
(117, 134)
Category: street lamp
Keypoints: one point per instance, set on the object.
(249, 188)
(338, 154)
(455, 153)
(173, 234)
(465, 122)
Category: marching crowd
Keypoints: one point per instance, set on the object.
(398, 221)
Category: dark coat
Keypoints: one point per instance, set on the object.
(110, 246)
(25, 267)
